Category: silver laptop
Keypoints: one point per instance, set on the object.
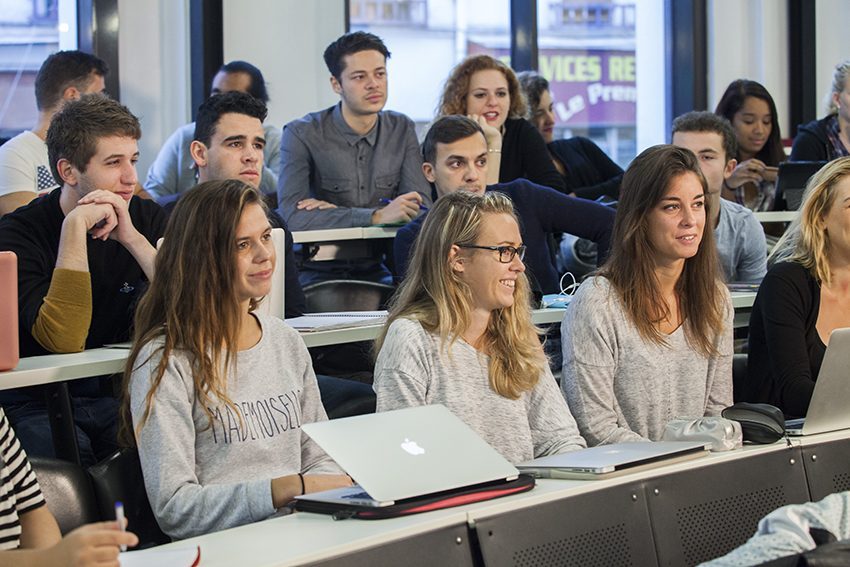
(604, 461)
(405, 453)
(829, 409)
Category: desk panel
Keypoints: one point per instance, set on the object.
(705, 512)
(606, 527)
(446, 546)
(827, 467)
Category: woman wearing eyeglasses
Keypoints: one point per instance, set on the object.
(460, 332)
(649, 338)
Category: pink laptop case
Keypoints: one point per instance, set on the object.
(8, 310)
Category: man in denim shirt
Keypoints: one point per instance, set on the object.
(354, 164)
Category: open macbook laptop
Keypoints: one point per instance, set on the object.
(403, 454)
(604, 461)
(828, 410)
(791, 183)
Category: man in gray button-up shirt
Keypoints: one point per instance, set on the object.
(353, 164)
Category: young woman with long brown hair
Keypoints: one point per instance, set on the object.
(215, 393)
(460, 332)
(649, 338)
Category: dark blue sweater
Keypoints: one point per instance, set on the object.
(540, 211)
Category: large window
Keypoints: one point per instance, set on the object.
(427, 38)
(586, 51)
(30, 30)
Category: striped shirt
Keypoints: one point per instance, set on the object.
(19, 489)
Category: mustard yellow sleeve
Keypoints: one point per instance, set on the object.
(62, 323)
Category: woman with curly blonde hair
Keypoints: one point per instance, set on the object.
(487, 90)
(804, 298)
(460, 332)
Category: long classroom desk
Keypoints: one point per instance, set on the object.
(676, 514)
(340, 234)
(52, 368)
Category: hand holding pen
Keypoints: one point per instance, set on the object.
(401, 209)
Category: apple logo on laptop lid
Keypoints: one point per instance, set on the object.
(412, 447)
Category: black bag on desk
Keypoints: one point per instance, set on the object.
(760, 423)
(428, 503)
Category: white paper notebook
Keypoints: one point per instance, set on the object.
(336, 320)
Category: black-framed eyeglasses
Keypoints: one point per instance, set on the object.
(506, 253)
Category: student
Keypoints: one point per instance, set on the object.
(215, 394)
(802, 300)
(29, 534)
(752, 112)
(828, 138)
(460, 334)
(738, 234)
(649, 338)
(587, 171)
(487, 90)
(173, 171)
(25, 171)
(353, 164)
(456, 159)
(229, 143)
(85, 256)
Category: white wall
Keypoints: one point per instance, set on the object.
(285, 39)
(153, 51)
(748, 39)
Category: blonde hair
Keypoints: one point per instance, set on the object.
(806, 240)
(453, 100)
(435, 295)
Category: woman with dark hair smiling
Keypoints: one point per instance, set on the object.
(649, 338)
(487, 90)
(752, 112)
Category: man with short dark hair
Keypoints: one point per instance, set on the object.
(739, 236)
(24, 168)
(85, 255)
(353, 164)
(455, 159)
(173, 170)
(229, 142)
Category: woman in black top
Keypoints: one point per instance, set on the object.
(802, 300)
(487, 90)
(588, 172)
(829, 137)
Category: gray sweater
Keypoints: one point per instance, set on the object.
(201, 479)
(414, 369)
(622, 388)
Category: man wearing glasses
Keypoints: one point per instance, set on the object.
(455, 159)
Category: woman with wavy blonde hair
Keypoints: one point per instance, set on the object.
(460, 332)
(804, 298)
(487, 90)
(215, 393)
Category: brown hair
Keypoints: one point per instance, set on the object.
(631, 270)
(75, 130)
(433, 293)
(453, 100)
(191, 304)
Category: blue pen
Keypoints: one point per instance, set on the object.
(386, 201)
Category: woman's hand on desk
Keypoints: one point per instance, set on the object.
(89, 545)
(286, 488)
(311, 204)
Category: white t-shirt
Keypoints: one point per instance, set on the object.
(24, 165)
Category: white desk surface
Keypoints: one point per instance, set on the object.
(337, 234)
(776, 216)
(305, 538)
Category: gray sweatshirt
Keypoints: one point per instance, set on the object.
(414, 369)
(201, 479)
(622, 388)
